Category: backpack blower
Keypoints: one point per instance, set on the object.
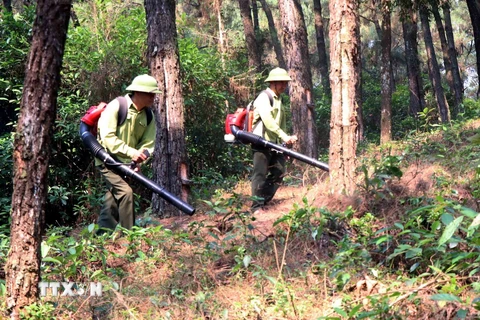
(125, 170)
(233, 132)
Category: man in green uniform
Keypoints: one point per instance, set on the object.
(128, 144)
(269, 123)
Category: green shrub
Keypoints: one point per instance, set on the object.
(39, 311)
(472, 108)
(204, 87)
(15, 36)
(106, 50)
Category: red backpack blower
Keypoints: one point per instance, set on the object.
(242, 118)
(238, 127)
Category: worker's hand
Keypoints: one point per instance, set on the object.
(140, 156)
(291, 139)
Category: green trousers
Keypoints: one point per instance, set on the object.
(118, 203)
(268, 171)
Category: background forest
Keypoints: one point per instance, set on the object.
(389, 251)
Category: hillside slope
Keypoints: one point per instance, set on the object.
(404, 246)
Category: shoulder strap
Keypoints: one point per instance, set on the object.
(149, 115)
(123, 110)
(270, 97)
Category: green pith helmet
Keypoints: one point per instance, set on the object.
(144, 83)
(278, 74)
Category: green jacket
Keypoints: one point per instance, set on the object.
(123, 141)
(269, 121)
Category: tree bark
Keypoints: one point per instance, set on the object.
(221, 44)
(17, 5)
(8, 5)
(170, 166)
(322, 51)
(433, 69)
(386, 73)
(256, 24)
(205, 8)
(300, 88)
(415, 85)
(31, 153)
(474, 11)
(254, 59)
(273, 34)
(443, 43)
(345, 59)
(452, 53)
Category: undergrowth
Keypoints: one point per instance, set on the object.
(407, 248)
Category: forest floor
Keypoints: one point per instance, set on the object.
(309, 255)
(425, 175)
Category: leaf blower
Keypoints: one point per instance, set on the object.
(233, 133)
(126, 170)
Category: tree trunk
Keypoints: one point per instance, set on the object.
(300, 88)
(375, 51)
(221, 44)
(443, 43)
(474, 10)
(360, 122)
(415, 85)
(322, 51)
(433, 69)
(452, 52)
(273, 34)
(31, 153)
(170, 167)
(205, 8)
(256, 25)
(386, 74)
(345, 59)
(8, 5)
(254, 59)
(17, 5)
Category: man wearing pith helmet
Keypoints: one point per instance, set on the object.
(129, 142)
(269, 122)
